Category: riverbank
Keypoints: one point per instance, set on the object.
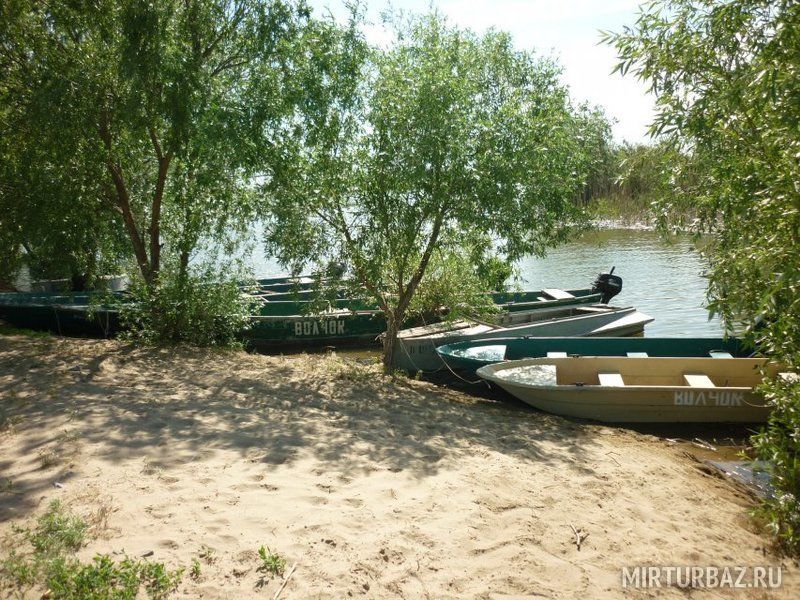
(375, 487)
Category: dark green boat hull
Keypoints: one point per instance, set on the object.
(63, 314)
(471, 355)
(282, 320)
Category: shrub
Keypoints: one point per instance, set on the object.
(194, 307)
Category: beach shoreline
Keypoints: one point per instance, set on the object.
(374, 487)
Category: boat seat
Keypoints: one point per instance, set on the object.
(557, 294)
(698, 380)
(610, 379)
(720, 354)
(637, 354)
(556, 355)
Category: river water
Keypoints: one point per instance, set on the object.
(663, 279)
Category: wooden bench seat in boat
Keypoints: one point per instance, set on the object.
(699, 380)
(637, 355)
(610, 379)
(557, 294)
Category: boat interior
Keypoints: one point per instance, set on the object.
(657, 372)
(546, 314)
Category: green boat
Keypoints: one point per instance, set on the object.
(471, 355)
(75, 314)
(295, 319)
(512, 301)
(290, 323)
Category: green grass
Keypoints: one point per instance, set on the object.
(43, 556)
(195, 572)
(57, 531)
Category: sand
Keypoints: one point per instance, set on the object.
(374, 487)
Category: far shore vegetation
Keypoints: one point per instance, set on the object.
(150, 138)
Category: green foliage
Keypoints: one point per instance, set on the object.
(193, 307)
(445, 136)
(272, 563)
(133, 128)
(728, 96)
(453, 289)
(44, 558)
(57, 531)
(635, 179)
(779, 445)
(105, 578)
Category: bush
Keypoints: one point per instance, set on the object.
(779, 445)
(195, 308)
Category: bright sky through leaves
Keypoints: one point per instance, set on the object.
(567, 29)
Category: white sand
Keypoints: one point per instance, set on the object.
(374, 488)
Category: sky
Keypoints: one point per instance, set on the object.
(565, 29)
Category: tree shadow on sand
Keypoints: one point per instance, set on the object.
(178, 406)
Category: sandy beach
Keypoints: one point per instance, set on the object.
(373, 487)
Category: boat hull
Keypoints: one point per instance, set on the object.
(416, 349)
(654, 394)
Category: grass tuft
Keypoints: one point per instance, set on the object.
(43, 557)
(272, 563)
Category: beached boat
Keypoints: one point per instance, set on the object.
(416, 347)
(80, 314)
(289, 319)
(643, 390)
(472, 355)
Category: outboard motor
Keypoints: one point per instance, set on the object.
(607, 284)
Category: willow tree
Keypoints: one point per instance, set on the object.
(446, 138)
(149, 119)
(725, 78)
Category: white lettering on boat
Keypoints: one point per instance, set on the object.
(708, 398)
(324, 326)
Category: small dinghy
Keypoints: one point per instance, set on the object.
(639, 390)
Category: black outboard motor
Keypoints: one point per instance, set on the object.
(607, 284)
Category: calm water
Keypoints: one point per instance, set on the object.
(664, 280)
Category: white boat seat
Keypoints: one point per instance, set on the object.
(558, 294)
(637, 354)
(542, 299)
(556, 355)
(720, 354)
(698, 380)
(610, 379)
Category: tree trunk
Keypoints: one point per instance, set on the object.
(390, 341)
(155, 218)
